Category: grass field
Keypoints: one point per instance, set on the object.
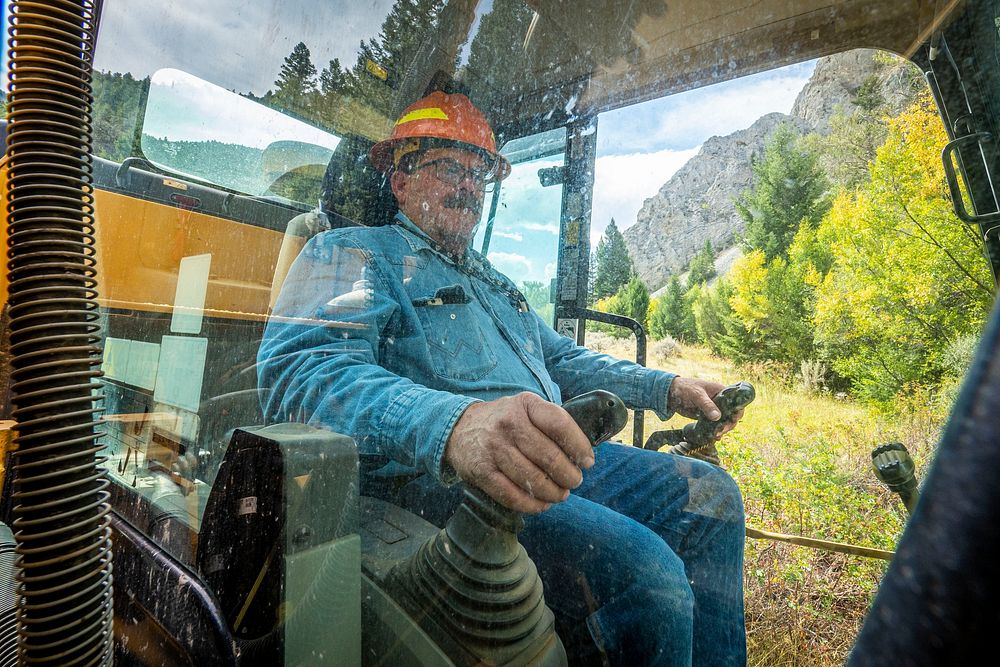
(803, 462)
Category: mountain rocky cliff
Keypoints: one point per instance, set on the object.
(697, 203)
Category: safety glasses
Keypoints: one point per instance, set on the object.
(450, 171)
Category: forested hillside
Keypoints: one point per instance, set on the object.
(116, 113)
(855, 276)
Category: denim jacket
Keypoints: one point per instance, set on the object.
(378, 335)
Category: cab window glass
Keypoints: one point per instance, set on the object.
(519, 232)
(790, 227)
(198, 129)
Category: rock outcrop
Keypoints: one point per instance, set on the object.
(697, 203)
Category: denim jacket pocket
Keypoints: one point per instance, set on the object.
(458, 350)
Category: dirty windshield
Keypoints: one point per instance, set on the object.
(364, 266)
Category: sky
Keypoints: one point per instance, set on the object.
(640, 147)
(183, 106)
(214, 40)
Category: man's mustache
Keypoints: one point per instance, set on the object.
(464, 200)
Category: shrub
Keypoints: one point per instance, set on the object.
(957, 355)
(664, 349)
(598, 341)
(812, 375)
(632, 300)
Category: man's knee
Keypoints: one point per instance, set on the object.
(713, 492)
(611, 556)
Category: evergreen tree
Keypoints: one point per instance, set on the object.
(501, 52)
(383, 62)
(702, 268)
(296, 81)
(333, 79)
(634, 300)
(535, 292)
(333, 84)
(716, 324)
(612, 264)
(788, 187)
(537, 295)
(672, 315)
(116, 111)
(491, 53)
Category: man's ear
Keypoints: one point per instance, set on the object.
(398, 181)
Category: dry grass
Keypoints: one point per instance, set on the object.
(803, 461)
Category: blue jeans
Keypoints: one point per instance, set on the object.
(642, 565)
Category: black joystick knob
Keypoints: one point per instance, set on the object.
(599, 414)
(894, 468)
(697, 439)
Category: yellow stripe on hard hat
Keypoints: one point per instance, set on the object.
(423, 114)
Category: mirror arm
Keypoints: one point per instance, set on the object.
(488, 232)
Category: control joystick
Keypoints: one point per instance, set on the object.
(697, 439)
(473, 587)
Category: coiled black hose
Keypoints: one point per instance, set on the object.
(61, 510)
(8, 599)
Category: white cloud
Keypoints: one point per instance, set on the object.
(511, 263)
(551, 228)
(688, 119)
(513, 236)
(623, 182)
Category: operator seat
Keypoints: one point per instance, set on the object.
(353, 194)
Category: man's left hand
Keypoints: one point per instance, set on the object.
(692, 398)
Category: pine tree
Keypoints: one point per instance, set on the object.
(716, 324)
(117, 100)
(634, 299)
(383, 62)
(333, 83)
(509, 69)
(296, 80)
(612, 264)
(702, 268)
(511, 64)
(672, 314)
(788, 186)
(333, 79)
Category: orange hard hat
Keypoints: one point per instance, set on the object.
(439, 117)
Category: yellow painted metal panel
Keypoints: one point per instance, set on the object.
(141, 244)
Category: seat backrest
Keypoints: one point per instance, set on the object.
(353, 194)
(300, 229)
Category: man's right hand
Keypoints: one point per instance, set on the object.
(523, 451)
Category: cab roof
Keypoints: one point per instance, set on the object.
(554, 60)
